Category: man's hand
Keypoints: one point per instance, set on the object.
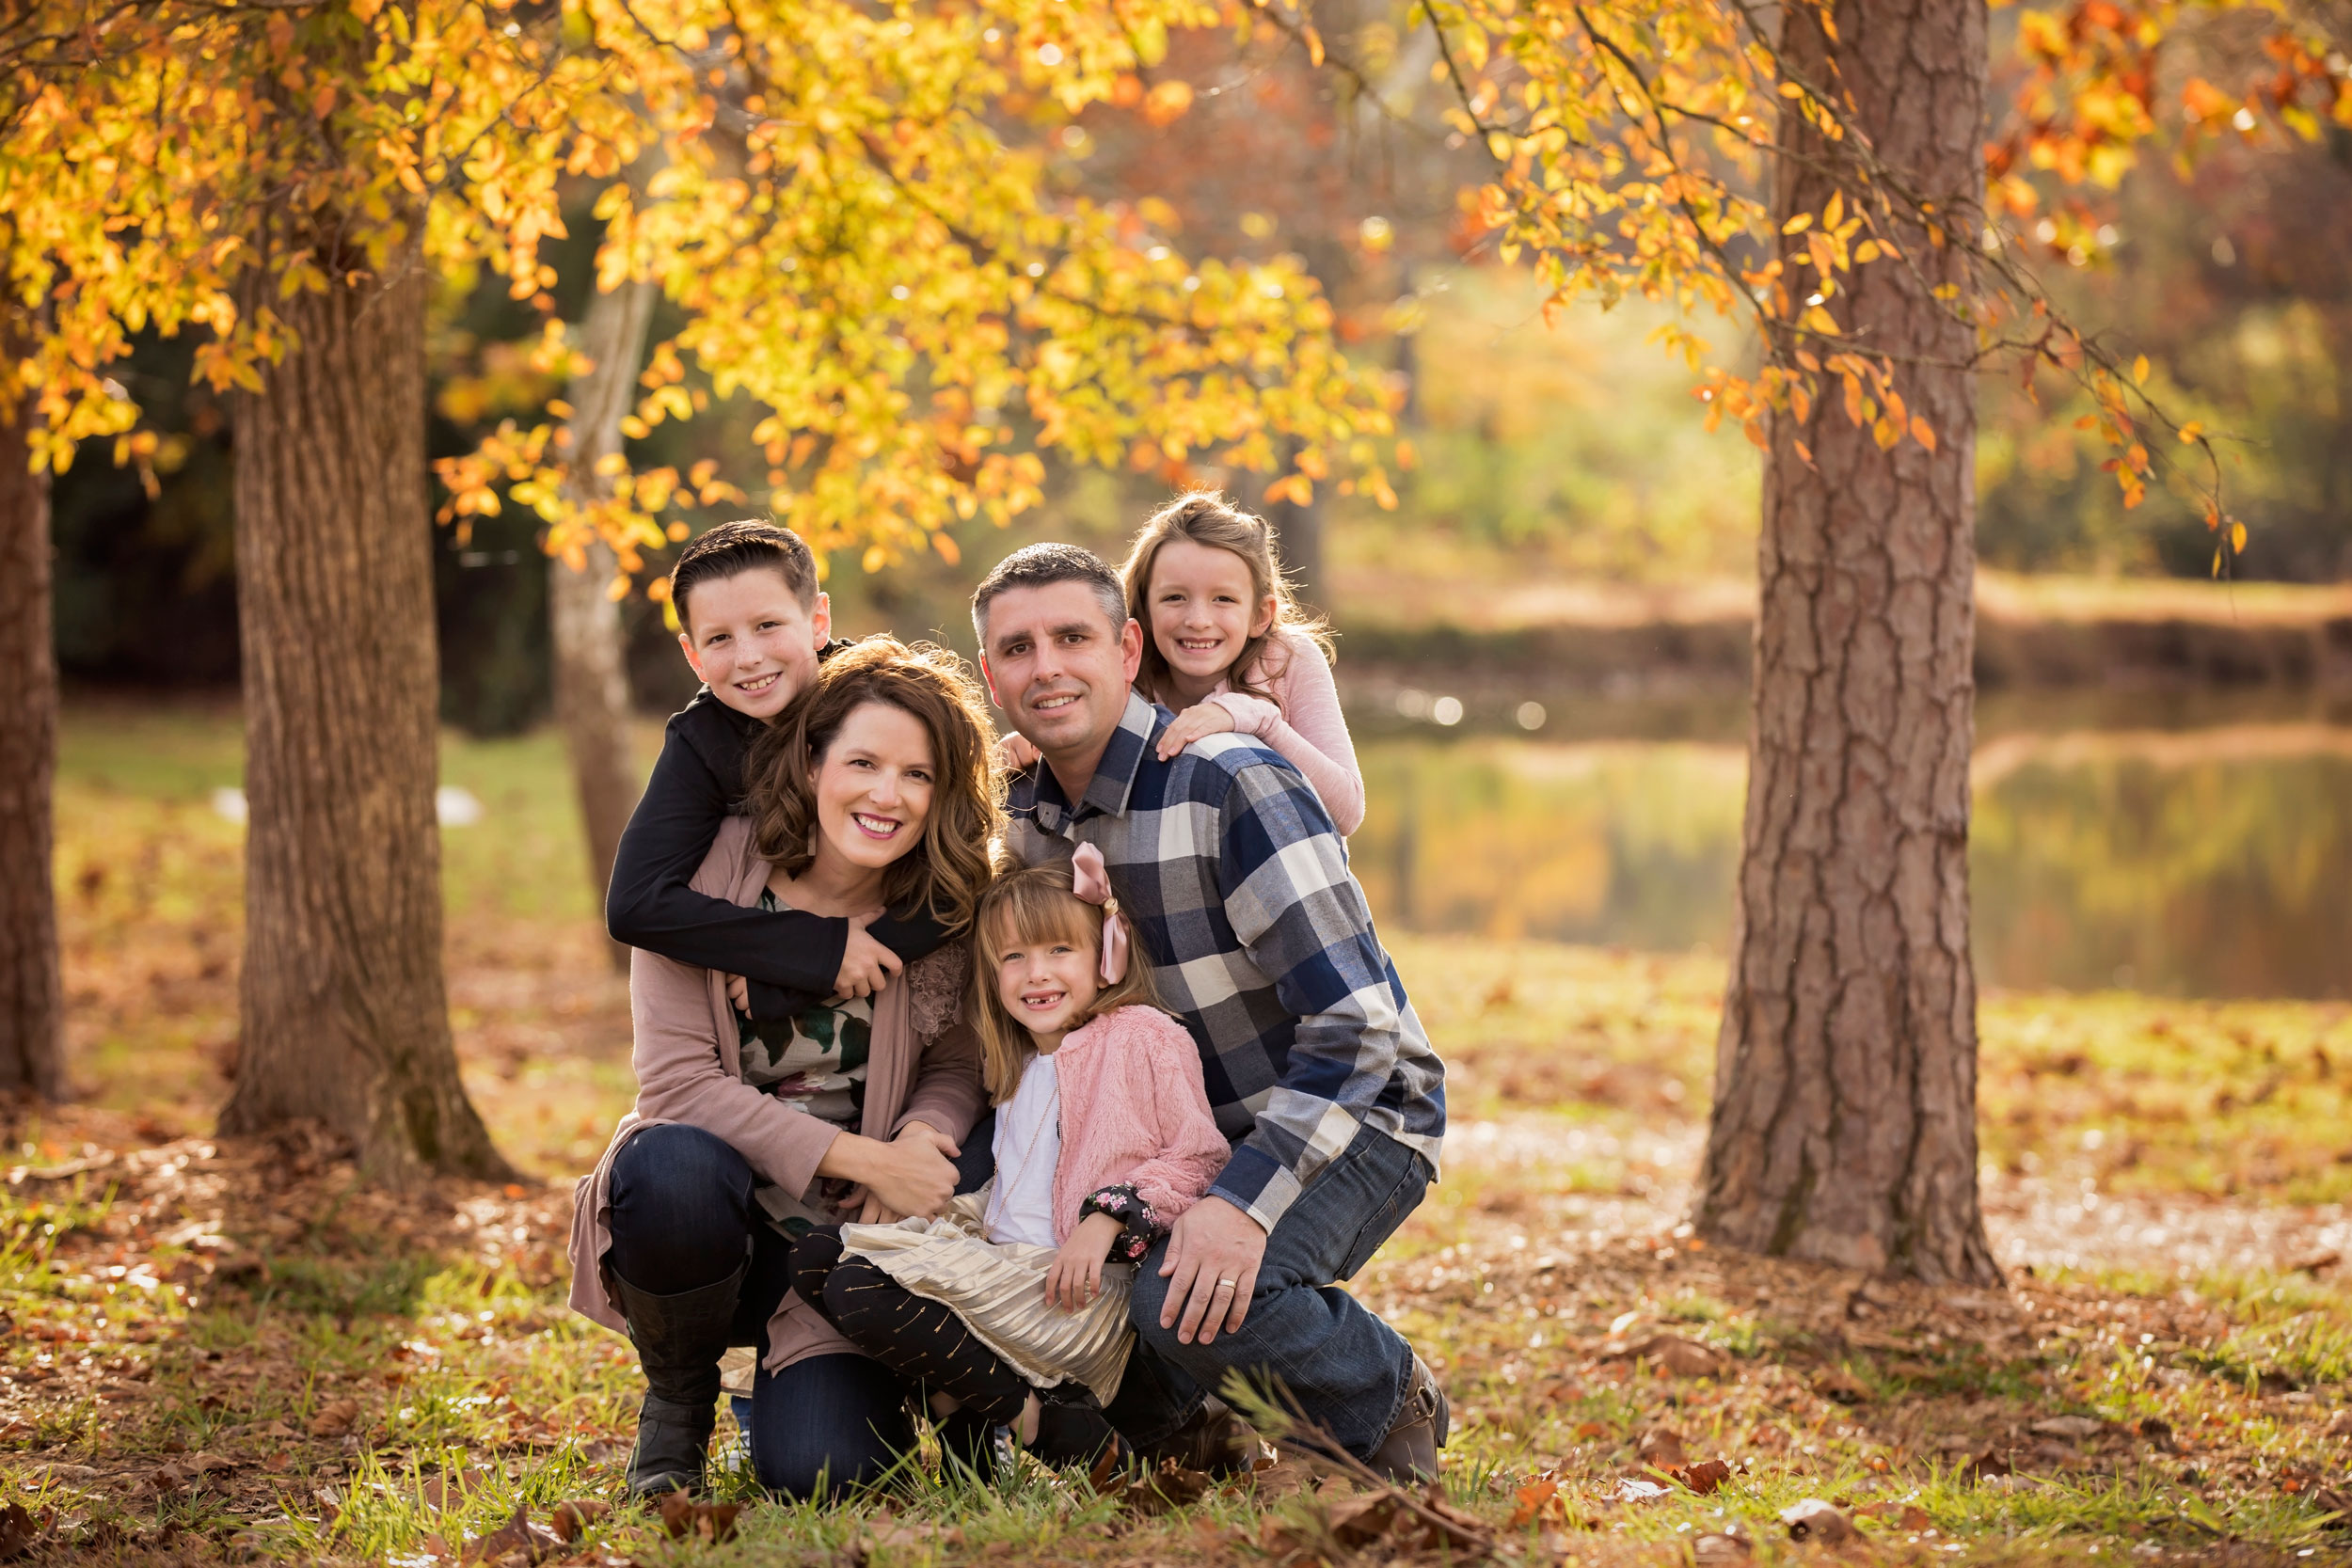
(1213, 1256)
(739, 993)
(876, 1212)
(866, 965)
(1191, 725)
(1076, 1277)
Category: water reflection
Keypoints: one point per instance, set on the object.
(2198, 862)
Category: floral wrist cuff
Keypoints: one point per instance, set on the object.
(1138, 1227)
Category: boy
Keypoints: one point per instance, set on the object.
(755, 628)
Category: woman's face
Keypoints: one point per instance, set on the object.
(874, 786)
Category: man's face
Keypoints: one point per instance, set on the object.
(1059, 668)
(752, 642)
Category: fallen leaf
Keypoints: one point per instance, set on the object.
(336, 1419)
(1108, 1478)
(1817, 1522)
(1531, 1498)
(181, 1472)
(1721, 1546)
(2340, 1424)
(1662, 1448)
(2073, 1428)
(20, 1533)
(518, 1534)
(573, 1518)
(1674, 1355)
(1633, 1489)
(1704, 1477)
(2317, 1262)
(682, 1516)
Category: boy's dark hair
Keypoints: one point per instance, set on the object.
(732, 548)
(1042, 566)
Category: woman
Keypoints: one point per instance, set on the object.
(878, 793)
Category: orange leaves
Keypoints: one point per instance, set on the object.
(1167, 102)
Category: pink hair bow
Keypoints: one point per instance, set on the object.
(1093, 883)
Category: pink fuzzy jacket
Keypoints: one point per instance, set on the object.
(1133, 1114)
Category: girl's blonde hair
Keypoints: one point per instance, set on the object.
(1205, 517)
(944, 870)
(1035, 904)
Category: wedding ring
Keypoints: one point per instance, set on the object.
(1224, 1283)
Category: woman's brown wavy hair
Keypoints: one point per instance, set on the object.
(946, 870)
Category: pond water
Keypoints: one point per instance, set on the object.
(2154, 852)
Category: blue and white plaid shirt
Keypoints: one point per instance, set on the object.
(1236, 885)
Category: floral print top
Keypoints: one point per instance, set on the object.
(814, 1060)
(1139, 1226)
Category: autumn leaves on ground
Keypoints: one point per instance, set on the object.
(232, 1350)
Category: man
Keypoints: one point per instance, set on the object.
(1238, 889)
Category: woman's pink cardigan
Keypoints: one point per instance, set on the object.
(1303, 723)
(924, 1066)
(1133, 1114)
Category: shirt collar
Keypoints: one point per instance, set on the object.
(1114, 780)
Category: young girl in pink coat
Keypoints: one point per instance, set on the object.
(1012, 1307)
(1226, 645)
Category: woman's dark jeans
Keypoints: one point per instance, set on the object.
(685, 1216)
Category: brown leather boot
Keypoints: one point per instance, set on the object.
(1409, 1453)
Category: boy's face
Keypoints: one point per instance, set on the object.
(750, 641)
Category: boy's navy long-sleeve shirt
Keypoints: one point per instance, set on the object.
(791, 958)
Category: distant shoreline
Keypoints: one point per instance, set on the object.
(1593, 642)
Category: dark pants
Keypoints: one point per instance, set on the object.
(920, 1340)
(684, 1217)
(1345, 1370)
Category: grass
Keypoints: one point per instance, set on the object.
(222, 1350)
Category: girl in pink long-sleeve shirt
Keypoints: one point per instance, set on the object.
(1012, 1307)
(1226, 645)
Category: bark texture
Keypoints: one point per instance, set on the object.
(344, 1012)
(32, 1040)
(1844, 1127)
(591, 682)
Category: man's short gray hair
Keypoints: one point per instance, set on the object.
(1042, 566)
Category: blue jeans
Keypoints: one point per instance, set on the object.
(1345, 1370)
(685, 1216)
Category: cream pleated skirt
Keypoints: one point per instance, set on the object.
(998, 1289)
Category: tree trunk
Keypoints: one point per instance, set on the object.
(591, 683)
(1844, 1127)
(1298, 539)
(32, 1040)
(344, 1012)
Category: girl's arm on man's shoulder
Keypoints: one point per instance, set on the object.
(1305, 726)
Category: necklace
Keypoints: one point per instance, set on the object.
(998, 1189)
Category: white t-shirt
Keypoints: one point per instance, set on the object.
(1028, 1148)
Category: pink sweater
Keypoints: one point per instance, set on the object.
(1133, 1114)
(1303, 722)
